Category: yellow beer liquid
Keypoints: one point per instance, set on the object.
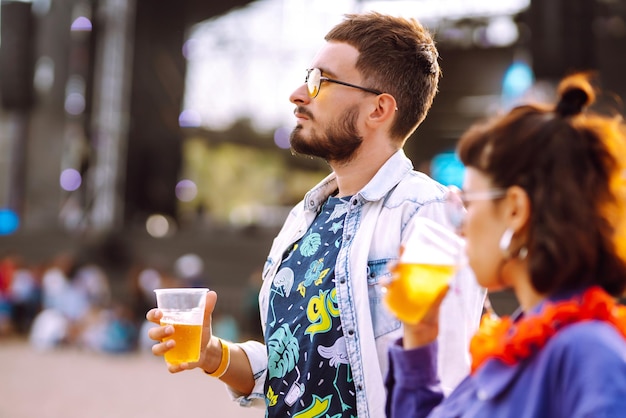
(414, 288)
(188, 339)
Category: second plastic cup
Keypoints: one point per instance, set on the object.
(430, 259)
(183, 308)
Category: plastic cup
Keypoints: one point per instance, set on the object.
(183, 308)
(427, 263)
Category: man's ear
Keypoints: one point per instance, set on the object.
(385, 108)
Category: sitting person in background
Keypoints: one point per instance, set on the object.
(543, 212)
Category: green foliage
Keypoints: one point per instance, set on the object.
(236, 180)
(284, 352)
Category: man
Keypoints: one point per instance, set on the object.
(325, 327)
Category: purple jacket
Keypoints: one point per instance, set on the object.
(580, 372)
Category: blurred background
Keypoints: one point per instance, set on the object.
(144, 143)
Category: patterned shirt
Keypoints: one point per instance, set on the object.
(308, 370)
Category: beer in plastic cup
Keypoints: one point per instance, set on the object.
(427, 263)
(183, 308)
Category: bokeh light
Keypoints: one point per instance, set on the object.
(518, 79)
(189, 119)
(186, 190)
(160, 226)
(191, 48)
(502, 31)
(70, 179)
(447, 169)
(43, 79)
(82, 24)
(281, 137)
(75, 95)
(189, 266)
(149, 279)
(9, 222)
(75, 103)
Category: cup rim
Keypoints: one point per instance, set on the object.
(182, 290)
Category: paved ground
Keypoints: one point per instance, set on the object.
(67, 383)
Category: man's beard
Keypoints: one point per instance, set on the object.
(337, 144)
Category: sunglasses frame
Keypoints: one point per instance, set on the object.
(321, 78)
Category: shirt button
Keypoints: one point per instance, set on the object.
(342, 281)
(351, 332)
(359, 387)
(354, 201)
(348, 237)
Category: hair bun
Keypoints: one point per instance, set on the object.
(575, 94)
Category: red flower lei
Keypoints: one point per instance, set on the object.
(511, 342)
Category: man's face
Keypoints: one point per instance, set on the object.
(328, 125)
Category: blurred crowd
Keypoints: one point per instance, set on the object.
(64, 302)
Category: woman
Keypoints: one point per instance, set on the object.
(544, 205)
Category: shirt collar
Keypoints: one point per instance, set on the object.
(387, 177)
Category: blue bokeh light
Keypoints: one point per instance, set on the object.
(9, 221)
(447, 169)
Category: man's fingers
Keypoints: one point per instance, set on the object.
(159, 349)
(175, 368)
(159, 333)
(154, 315)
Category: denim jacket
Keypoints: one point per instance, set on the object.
(376, 225)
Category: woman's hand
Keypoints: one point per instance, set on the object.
(426, 330)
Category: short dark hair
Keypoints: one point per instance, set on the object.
(396, 56)
(571, 164)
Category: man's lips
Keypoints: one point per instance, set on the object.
(302, 114)
(301, 118)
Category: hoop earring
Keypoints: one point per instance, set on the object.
(505, 246)
(505, 242)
